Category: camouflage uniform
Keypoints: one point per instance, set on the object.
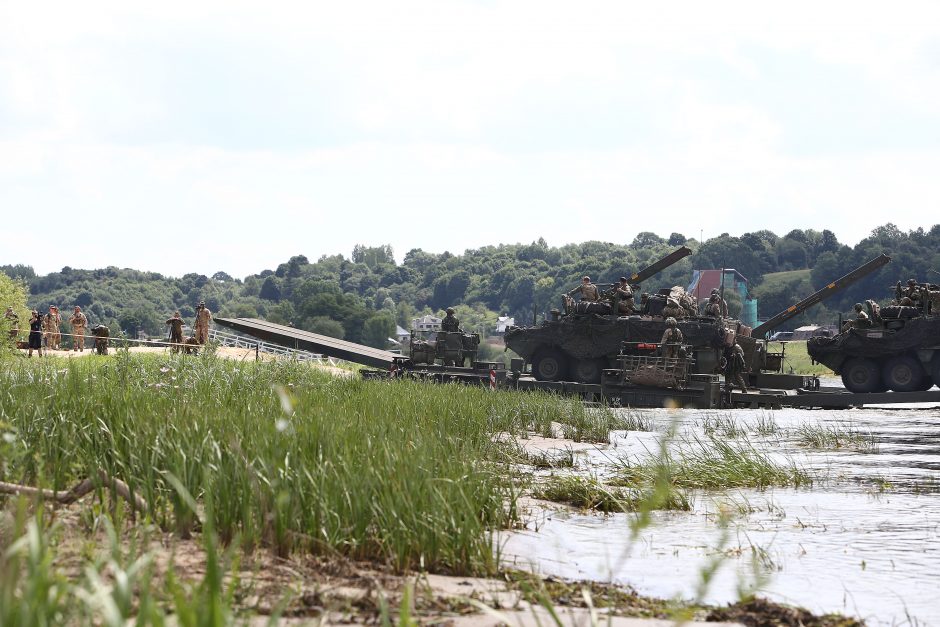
(624, 293)
(713, 308)
(721, 302)
(176, 332)
(78, 322)
(14, 319)
(53, 319)
(203, 316)
(672, 340)
(587, 290)
(101, 333)
(673, 310)
(450, 322)
(735, 367)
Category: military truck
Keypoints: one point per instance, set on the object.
(898, 349)
(450, 348)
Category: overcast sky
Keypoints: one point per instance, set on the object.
(202, 136)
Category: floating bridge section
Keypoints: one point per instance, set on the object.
(304, 340)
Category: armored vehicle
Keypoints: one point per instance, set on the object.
(898, 349)
(451, 348)
(587, 339)
(581, 344)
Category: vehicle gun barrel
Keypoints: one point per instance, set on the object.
(659, 266)
(816, 298)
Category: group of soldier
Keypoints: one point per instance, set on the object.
(923, 296)
(45, 331)
(678, 306)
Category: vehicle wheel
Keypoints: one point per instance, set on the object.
(550, 365)
(926, 384)
(861, 375)
(588, 370)
(903, 374)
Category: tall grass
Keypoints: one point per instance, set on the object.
(713, 463)
(404, 473)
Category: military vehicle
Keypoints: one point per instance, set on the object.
(587, 339)
(581, 344)
(451, 348)
(898, 349)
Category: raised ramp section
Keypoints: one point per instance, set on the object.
(304, 340)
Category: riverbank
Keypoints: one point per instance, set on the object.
(211, 488)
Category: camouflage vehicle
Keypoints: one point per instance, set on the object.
(451, 348)
(897, 349)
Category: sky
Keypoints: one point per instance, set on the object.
(202, 136)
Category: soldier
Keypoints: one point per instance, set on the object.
(176, 332)
(672, 339)
(862, 321)
(450, 321)
(722, 302)
(624, 295)
(203, 316)
(14, 322)
(53, 320)
(713, 308)
(78, 322)
(191, 345)
(35, 333)
(688, 304)
(101, 333)
(587, 290)
(672, 309)
(735, 367)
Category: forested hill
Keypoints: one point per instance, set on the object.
(363, 296)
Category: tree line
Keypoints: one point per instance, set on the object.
(362, 297)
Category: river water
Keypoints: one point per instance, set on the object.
(864, 540)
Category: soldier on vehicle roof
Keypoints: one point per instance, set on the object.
(624, 294)
(862, 321)
(721, 302)
(713, 308)
(672, 309)
(587, 290)
(450, 321)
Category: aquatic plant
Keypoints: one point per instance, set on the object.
(833, 437)
(590, 493)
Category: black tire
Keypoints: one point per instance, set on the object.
(935, 369)
(588, 370)
(927, 383)
(550, 364)
(903, 374)
(861, 375)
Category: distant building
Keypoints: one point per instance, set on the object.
(426, 323)
(401, 334)
(503, 323)
(704, 281)
(813, 330)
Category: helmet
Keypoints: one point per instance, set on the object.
(450, 310)
(202, 303)
(670, 321)
(858, 306)
(714, 291)
(912, 281)
(585, 278)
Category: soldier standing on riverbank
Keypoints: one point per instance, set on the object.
(78, 322)
(53, 335)
(176, 332)
(203, 316)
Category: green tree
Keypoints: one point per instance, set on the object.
(325, 326)
(377, 330)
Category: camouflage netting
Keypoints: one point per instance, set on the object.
(591, 336)
(917, 333)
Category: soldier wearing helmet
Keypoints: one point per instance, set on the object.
(624, 294)
(735, 366)
(721, 302)
(672, 309)
(450, 321)
(672, 339)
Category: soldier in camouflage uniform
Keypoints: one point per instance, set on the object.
(624, 294)
(101, 333)
(721, 302)
(203, 316)
(672, 339)
(673, 310)
(14, 322)
(713, 308)
(735, 368)
(587, 290)
(53, 320)
(176, 332)
(450, 321)
(862, 321)
(78, 322)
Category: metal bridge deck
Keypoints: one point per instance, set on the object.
(313, 342)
